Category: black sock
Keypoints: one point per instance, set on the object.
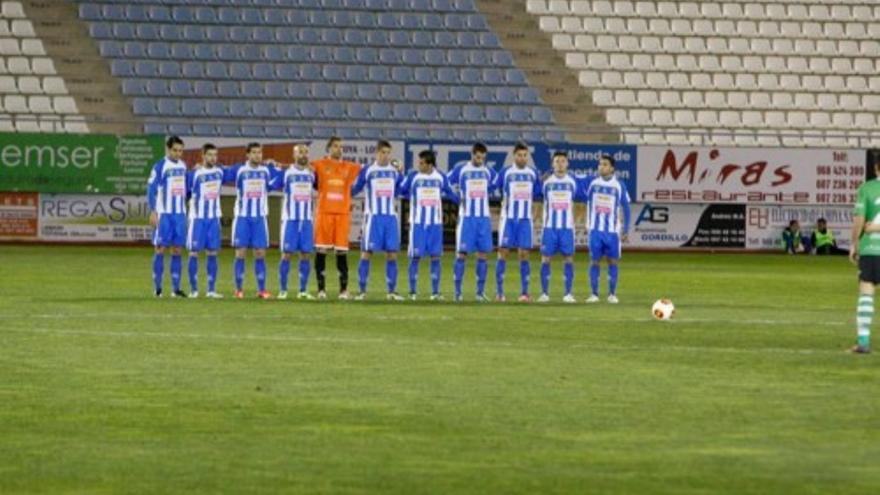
(342, 267)
(320, 265)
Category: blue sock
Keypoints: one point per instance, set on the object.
(545, 277)
(304, 267)
(482, 271)
(283, 274)
(458, 274)
(413, 274)
(193, 269)
(500, 268)
(569, 277)
(594, 279)
(176, 269)
(435, 276)
(212, 272)
(158, 270)
(260, 272)
(612, 279)
(391, 275)
(363, 274)
(239, 273)
(525, 273)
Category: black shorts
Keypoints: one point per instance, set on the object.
(869, 269)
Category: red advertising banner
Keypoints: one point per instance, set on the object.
(19, 215)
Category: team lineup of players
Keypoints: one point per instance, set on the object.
(315, 218)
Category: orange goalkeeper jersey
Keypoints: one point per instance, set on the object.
(335, 178)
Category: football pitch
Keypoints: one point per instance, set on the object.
(106, 389)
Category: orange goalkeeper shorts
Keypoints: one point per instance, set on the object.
(331, 231)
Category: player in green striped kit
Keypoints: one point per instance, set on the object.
(865, 250)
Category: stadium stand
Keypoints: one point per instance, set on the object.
(33, 98)
(756, 73)
(357, 68)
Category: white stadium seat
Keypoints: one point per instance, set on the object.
(779, 68)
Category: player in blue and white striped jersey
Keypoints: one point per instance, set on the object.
(560, 191)
(607, 201)
(166, 194)
(473, 181)
(381, 227)
(250, 230)
(519, 186)
(297, 219)
(425, 189)
(203, 185)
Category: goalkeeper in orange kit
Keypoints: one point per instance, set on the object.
(334, 178)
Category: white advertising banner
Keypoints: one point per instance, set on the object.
(682, 174)
(662, 226)
(94, 218)
(764, 224)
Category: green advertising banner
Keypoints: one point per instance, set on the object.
(77, 163)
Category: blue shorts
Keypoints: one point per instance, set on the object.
(425, 240)
(474, 234)
(380, 233)
(516, 234)
(203, 234)
(297, 236)
(250, 232)
(557, 241)
(170, 230)
(604, 244)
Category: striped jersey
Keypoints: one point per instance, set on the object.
(251, 188)
(474, 185)
(606, 198)
(519, 187)
(382, 183)
(166, 187)
(560, 193)
(297, 185)
(425, 193)
(204, 186)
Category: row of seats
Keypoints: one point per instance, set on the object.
(729, 82)
(19, 28)
(758, 100)
(303, 53)
(17, 103)
(696, 45)
(43, 123)
(32, 85)
(314, 72)
(11, 10)
(732, 119)
(712, 10)
(726, 63)
(342, 110)
(325, 130)
(282, 17)
(292, 36)
(706, 27)
(12, 47)
(328, 91)
(378, 5)
(745, 137)
(27, 65)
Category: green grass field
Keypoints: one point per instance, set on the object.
(105, 389)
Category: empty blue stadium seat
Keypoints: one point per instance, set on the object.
(309, 110)
(416, 61)
(204, 129)
(193, 108)
(134, 87)
(181, 87)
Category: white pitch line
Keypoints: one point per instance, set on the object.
(412, 342)
(586, 319)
